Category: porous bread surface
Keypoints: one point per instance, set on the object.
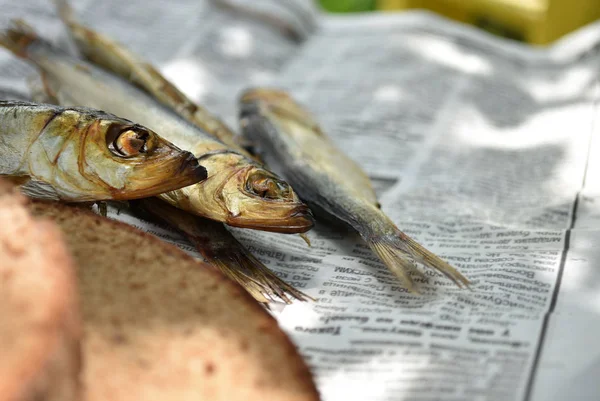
(158, 325)
(39, 321)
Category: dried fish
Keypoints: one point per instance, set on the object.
(218, 246)
(80, 154)
(112, 56)
(238, 191)
(330, 181)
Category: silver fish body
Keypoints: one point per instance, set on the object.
(217, 245)
(331, 183)
(81, 154)
(237, 191)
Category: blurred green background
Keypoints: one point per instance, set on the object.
(538, 22)
(348, 5)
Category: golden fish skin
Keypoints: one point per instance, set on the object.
(331, 182)
(214, 242)
(80, 154)
(234, 192)
(217, 245)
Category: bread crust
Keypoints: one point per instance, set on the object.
(171, 328)
(40, 326)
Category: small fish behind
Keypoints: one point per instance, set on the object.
(330, 182)
(79, 154)
(112, 56)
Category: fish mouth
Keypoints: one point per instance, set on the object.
(190, 167)
(187, 172)
(299, 221)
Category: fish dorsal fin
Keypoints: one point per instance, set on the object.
(39, 190)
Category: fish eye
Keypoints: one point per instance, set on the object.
(268, 187)
(130, 142)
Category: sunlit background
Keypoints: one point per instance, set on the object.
(532, 21)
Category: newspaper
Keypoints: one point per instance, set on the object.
(485, 151)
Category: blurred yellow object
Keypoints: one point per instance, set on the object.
(533, 21)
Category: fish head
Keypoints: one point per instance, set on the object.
(277, 103)
(135, 162)
(250, 196)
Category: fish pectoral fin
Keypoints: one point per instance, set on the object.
(304, 236)
(39, 190)
(241, 266)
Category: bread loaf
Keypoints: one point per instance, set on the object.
(159, 325)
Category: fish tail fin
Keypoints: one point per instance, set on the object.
(244, 268)
(223, 251)
(397, 262)
(433, 261)
(18, 37)
(400, 253)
